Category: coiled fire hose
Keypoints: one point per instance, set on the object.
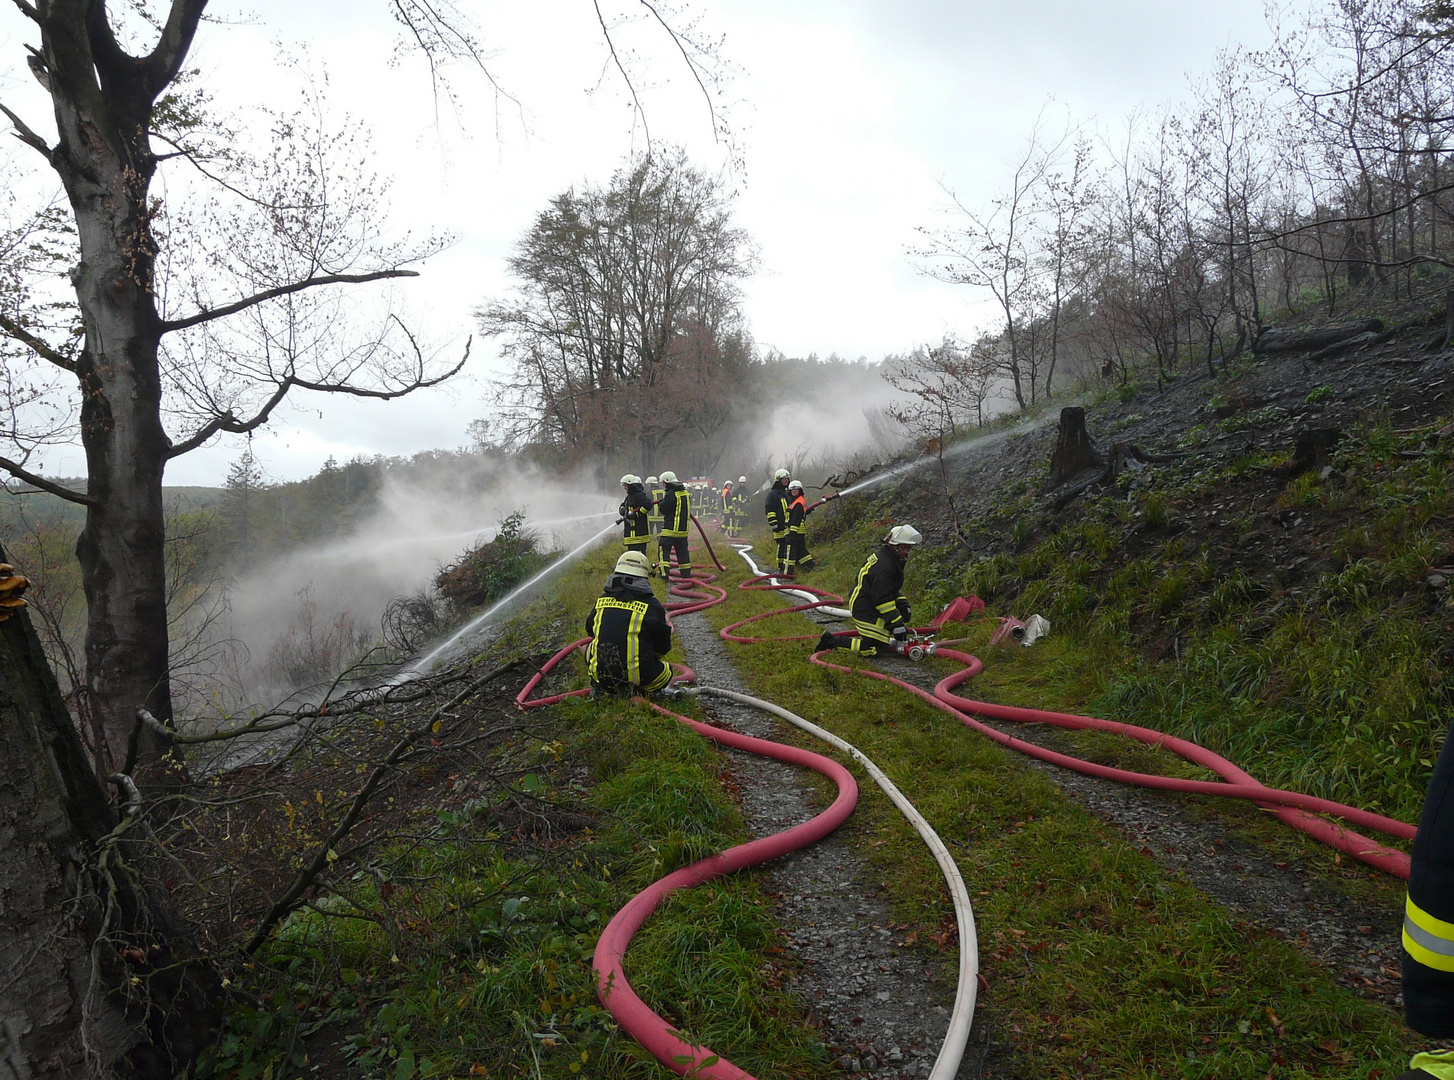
(634, 1015)
(1293, 808)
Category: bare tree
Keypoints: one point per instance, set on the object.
(610, 280)
(996, 249)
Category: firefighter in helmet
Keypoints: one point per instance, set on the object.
(799, 558)
(739, 506)
(776, 508)
(629, 632)
(727, 507)
(1428, 934)
(656, 491)
(635, 508)
(880, 611)
(676, 516)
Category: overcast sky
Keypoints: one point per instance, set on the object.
(850, 115)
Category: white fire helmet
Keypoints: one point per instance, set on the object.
(903, 534)
(668, 477)
(742, 479)
(651, 480)
(781, 474)
(796, 485)
(633, 564)
(630, 478)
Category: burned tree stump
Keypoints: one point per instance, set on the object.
(1074, 451)
(1311, 450)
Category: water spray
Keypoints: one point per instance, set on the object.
(424, 662)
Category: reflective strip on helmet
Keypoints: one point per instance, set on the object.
(1428, 940)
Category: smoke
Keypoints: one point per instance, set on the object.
(337, 592)
(828, 414)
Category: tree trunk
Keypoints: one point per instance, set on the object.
(103, 101)
(1074, 451)
(98, 978)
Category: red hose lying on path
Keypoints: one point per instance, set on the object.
(635, 1017)
(615, 992)
(1291, 807)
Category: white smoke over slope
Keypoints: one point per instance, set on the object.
(345, 585)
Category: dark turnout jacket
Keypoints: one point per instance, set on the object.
(629, 635)
(877, 602)
(776, 508)
(676, 510)
(1428, 937)
(635, 510)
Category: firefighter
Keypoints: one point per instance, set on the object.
(880, 611)
(629, 632)
(676, 516)
(739, 506)
(776, 508)
(727, 507)
(635, 509)
(656, 491)
(799, 557)
(1428, 935)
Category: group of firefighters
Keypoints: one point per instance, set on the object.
(631, 635)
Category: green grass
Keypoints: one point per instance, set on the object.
(481, 964)
(1099, 963)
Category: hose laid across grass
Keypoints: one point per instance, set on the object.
(634, 1015)
(1293, 808)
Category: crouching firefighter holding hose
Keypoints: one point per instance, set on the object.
(1428, 936)
(629, 633)
(880, 611)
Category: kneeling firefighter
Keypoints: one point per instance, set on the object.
(676, 516)
(635, 509)
(776, 508)
(799, 558)
(629, 632)
(880, 611)
(1428, 935)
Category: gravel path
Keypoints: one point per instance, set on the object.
(872, 998)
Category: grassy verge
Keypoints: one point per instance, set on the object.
(1099, 963)
(472, 957)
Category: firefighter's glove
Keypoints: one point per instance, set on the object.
(11, 586)
(901, 633)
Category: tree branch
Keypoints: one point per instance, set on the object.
(25, 134)
(387, 395)
(20, 334)
(615, 59)
(233, 426)
(176, 39)
(209, 314)
(28, 10)
(21, 473)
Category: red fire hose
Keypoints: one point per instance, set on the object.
(616, 994)
(634, 1016)
(1291, 807)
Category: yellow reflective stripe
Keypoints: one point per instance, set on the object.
(633, 643)
(872, 631)
(1428, 940)
(1438, 1063)
(888, 607)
